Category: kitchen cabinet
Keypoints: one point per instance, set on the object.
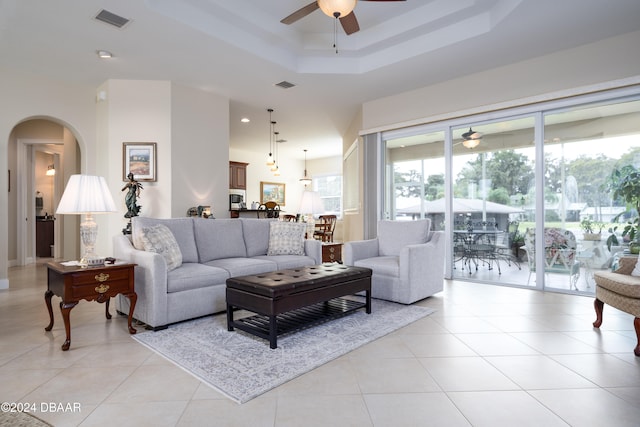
(238, 175)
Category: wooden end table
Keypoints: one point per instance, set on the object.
(100, 284)
(331, 252)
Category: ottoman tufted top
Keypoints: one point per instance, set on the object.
(288, 282)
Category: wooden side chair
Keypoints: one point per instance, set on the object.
(325, 227)
(288, 217)
(271, 210)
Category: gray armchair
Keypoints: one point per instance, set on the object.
(407, 260)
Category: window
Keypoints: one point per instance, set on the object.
(330, 189)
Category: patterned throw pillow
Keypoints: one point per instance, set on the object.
(160, 240)
(286, 238)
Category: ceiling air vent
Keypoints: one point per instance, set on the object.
(111, 18)
(285, 84)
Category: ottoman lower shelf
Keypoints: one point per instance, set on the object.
(288, 300)
(301, 318)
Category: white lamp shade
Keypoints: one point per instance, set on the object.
(311, 203)
(86, 194)
(342, 7)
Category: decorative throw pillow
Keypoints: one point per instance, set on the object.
(286, 238)
(160, 240)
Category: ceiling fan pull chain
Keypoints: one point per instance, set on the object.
(335, 34)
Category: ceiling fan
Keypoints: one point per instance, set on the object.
(339, 9)
(471, 139)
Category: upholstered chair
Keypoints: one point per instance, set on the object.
(406, 257)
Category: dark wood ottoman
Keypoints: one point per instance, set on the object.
(289, 300)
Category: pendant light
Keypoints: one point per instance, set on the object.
(270, 160)
(305, 180)
(274, 168)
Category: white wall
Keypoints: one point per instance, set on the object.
(200, 145)
(606, 60)
(25, 96)
(133, 111)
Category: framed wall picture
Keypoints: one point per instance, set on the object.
(272, 192)
(139, 158)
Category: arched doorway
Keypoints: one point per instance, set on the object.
(37, 145)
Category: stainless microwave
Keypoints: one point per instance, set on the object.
(237, 199)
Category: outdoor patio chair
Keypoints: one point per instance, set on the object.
(560, 250)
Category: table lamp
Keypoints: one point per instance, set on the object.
(310, 205)
(87, 194)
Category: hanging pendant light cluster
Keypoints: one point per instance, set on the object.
(274, 140)
(270, 160)
(275, 169)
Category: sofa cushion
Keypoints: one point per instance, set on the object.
(256, 235)
(159, 239)
(284, 262)
(243, 266)
(181, 228)
(193, 276)
(286, 238)
(219, 238)
(395, 235)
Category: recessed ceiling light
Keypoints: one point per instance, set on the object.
(104, 54)
(245, 120)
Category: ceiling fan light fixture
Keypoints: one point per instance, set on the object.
(471, 143)
(471, 139)
(337, 8)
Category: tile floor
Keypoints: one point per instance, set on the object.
(490, 356)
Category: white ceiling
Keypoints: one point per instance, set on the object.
(239, 49)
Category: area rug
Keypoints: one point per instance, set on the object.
(20, 419)
(242, 366)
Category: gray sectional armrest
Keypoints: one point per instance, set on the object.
(313, 248)
(150, 284)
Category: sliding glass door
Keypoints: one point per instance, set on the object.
(493, 178)
(526, 200)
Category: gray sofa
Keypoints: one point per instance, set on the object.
(212, 251)
(406, 257)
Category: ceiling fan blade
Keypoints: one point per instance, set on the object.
(301, 13)
(350, 23)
